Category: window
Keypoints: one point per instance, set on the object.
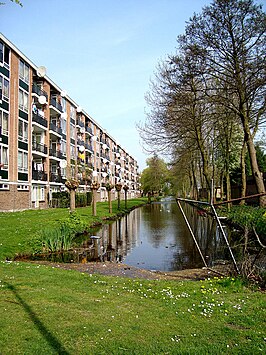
(4, 157)
(63, 103)
(72, 131)
(63, 125)
(1, 53)
(4, 55)
(22, 130)
(23, 100)
(4, 88)
(63, 147)
(22, 161)
(24, 71)
(4, 122)
(73, 113)
(72, 151)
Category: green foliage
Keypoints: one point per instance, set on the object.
(249, 217)
(155, 176)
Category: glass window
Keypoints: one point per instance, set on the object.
(22, 161)
(23, 100)
(6, 90)
(1, 53)
(72, 131)
(24, 71)
(63, 103)
(63, 125)
(1, 87)
(4, 122)
(23, 130)
(6, 56)
(4, 157)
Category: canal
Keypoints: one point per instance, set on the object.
(155, 237)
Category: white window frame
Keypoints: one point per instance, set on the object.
(24, 161)
(24, 71)
(24, 106)
(25, 130)
(4, 129)
(4, 157)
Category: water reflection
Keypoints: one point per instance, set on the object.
(153, 237)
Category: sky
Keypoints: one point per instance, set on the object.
(102, 52)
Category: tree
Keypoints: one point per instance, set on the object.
(231, 35)
(155, 177)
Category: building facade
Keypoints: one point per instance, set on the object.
(47, 138)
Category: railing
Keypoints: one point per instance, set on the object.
(80, 123)
(39, 175)
(54, 128)
(56, 178)
(56, 104)
(36, 90)
(88, 146)
(39, 147)
(39, 119)
(88, 129)
(56, 153)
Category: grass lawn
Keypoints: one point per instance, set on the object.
(18, 230)
(47, 310)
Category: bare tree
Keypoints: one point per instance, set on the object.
(232, 37)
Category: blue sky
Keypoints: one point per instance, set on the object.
(102, 52)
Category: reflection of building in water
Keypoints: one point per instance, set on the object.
(114, 240)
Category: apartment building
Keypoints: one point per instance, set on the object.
(47, 138)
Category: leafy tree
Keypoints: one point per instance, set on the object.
(155, 177)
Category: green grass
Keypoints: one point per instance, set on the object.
(20, 231)
(46, 310)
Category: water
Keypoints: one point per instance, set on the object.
(153, 237)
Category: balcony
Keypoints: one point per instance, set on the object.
(88, 130)
(56, 105)
(88, 147)
(39, 147)
(55, 129)
(57, 178)
(55, 153)
(39, 119)
(39, 175)
(80, 123)
(38, 91)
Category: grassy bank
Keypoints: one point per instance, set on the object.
(47, 310)
(19, 230)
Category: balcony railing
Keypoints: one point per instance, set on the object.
(54, 128)
(56, 104)
(80, 123)
(37, 90)
(39, 147)
(39, 119)
(88, 129)
(56, 153)
(39, 175)
(88, 146)
(57, 178)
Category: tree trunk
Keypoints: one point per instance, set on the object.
(255, 169)
(72, 200)
(118, 200)
(125, 199)
(110, 201)
(94, 198)
(243, 173)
